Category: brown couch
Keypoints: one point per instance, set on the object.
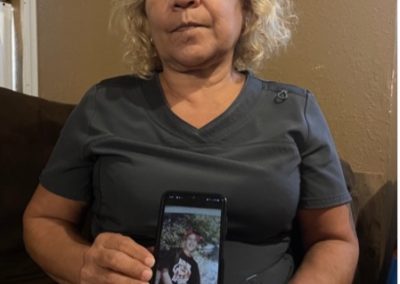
(29, 128)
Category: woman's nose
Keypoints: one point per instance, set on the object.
(184, 4)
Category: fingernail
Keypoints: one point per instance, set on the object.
(146, 274)
(149, 261)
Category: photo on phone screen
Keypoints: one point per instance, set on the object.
(189, 244)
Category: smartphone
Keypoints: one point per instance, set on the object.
(189, 247)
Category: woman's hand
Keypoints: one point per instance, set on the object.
(114, 258)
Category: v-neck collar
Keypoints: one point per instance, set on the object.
(232, 118)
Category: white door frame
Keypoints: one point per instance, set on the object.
(30, 78)
(7, 45)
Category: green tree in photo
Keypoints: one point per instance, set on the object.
(176, 226)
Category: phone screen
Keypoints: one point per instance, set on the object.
(189, 245)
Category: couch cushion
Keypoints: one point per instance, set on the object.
(29, 129)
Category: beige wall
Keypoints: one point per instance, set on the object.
(75, 48)
(342, 50)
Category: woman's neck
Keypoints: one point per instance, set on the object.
(197, 98)
(196, 86)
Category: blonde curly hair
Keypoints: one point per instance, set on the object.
(267, 27)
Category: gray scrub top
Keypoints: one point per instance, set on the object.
(269, 153)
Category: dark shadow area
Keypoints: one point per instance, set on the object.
(377, 233)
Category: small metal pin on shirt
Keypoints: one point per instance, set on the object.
(281, 96)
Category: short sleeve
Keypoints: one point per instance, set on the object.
(322, 181)
(69, 170)
(195, 278)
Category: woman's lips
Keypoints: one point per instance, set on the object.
(187, 26)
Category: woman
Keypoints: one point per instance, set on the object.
(191, 118)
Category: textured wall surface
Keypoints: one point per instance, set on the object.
(75, 48)
(343, 51)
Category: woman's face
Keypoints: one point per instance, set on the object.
(190, 34)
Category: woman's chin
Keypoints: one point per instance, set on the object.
(195, 61)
